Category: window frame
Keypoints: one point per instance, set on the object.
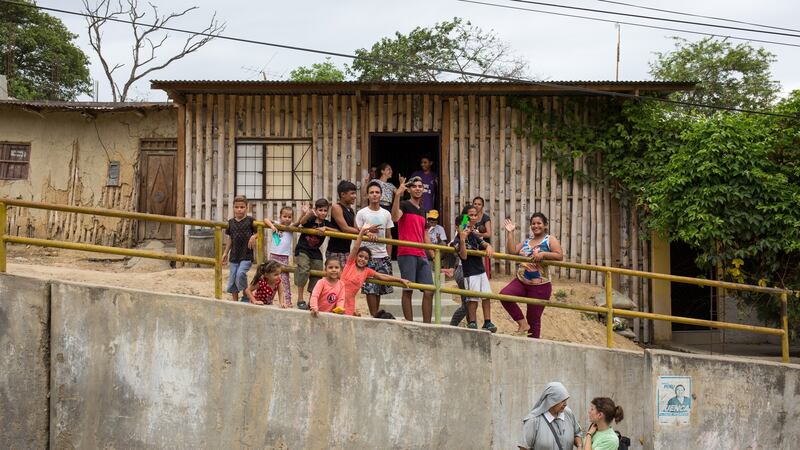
(266, 143)
(27, 160)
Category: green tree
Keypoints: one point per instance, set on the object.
(324, 71)
(39, 57)
(453, 45)
(727, 75)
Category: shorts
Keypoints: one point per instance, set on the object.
(480, 283)
(380, 265)
(342, 257)
(237, 280)
(302, 275)
(415, 269)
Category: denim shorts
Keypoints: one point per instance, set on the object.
(415, 269)
(237, 280)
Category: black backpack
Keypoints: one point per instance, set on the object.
(624, 441)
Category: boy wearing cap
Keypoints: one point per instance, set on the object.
(435, 231)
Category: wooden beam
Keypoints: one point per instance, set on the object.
(180, 162)
(444, 168)
(220, 156)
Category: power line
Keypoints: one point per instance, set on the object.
(681, 13)
(413, 65)
(633, 24)
(663, 19)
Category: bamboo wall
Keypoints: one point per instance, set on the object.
(481, 155)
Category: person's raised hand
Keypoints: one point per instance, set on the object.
(509, 225)
(305, 209)
(402, 188)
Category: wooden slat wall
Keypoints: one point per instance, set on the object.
(486, 157)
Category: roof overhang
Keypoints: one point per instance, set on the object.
(177, 89)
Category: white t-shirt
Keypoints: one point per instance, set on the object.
(383, 219)
(437, 234)
(285, 246)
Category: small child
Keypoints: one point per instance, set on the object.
(307, 255)
(238, 251)
(266, 283)
(328, 294)
(280, 252)
(356, 272)
(475, 278)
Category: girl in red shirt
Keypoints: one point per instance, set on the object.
(356, 272)
(266, 283)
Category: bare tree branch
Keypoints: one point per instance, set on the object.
(147, 40)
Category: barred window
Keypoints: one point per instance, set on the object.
(14, 160)
(279, 170)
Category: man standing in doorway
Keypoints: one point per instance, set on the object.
(414, 266)
(430, 182)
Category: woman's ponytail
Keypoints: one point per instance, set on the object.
(618, 414)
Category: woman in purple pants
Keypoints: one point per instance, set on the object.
(531, 279)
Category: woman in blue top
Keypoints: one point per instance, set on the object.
(531, 280)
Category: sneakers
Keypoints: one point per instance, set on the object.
(472, 326)
(302, 305)
(489, 326)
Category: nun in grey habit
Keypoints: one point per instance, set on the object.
(551, 425)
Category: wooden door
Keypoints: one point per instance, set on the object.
(157, 191)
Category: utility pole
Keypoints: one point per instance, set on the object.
(616, 25)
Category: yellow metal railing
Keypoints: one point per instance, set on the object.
(608, 309)
(437, 287)
(217, 226)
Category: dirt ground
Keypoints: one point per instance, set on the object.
(67, 265)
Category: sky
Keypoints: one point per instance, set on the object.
(557, 48)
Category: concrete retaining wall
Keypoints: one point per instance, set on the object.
(132, 369)
(736, 403)
(24, 362)
(521, 367)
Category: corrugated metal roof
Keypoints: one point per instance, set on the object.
(86, 106)
(434, 83)
(572, 87)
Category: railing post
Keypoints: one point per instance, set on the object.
(3, 220)
(259, 244)
(785, 326)
(610, 313)
(218, 262)
(437, 283)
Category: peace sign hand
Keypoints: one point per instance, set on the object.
(403, 186)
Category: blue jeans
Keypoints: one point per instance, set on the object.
(237, 280)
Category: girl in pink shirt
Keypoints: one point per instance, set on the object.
(266, 283)
(328, 294)
(356, 272)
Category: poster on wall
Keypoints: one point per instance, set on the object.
(674, 400)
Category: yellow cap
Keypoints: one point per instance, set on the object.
(433, 214)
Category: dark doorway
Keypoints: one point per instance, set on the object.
(689, 300)
(403, 152)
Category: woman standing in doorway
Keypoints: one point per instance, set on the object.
(387, 188)
(484, 227)
(531, 280)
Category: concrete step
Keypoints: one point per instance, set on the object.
(394, 306)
